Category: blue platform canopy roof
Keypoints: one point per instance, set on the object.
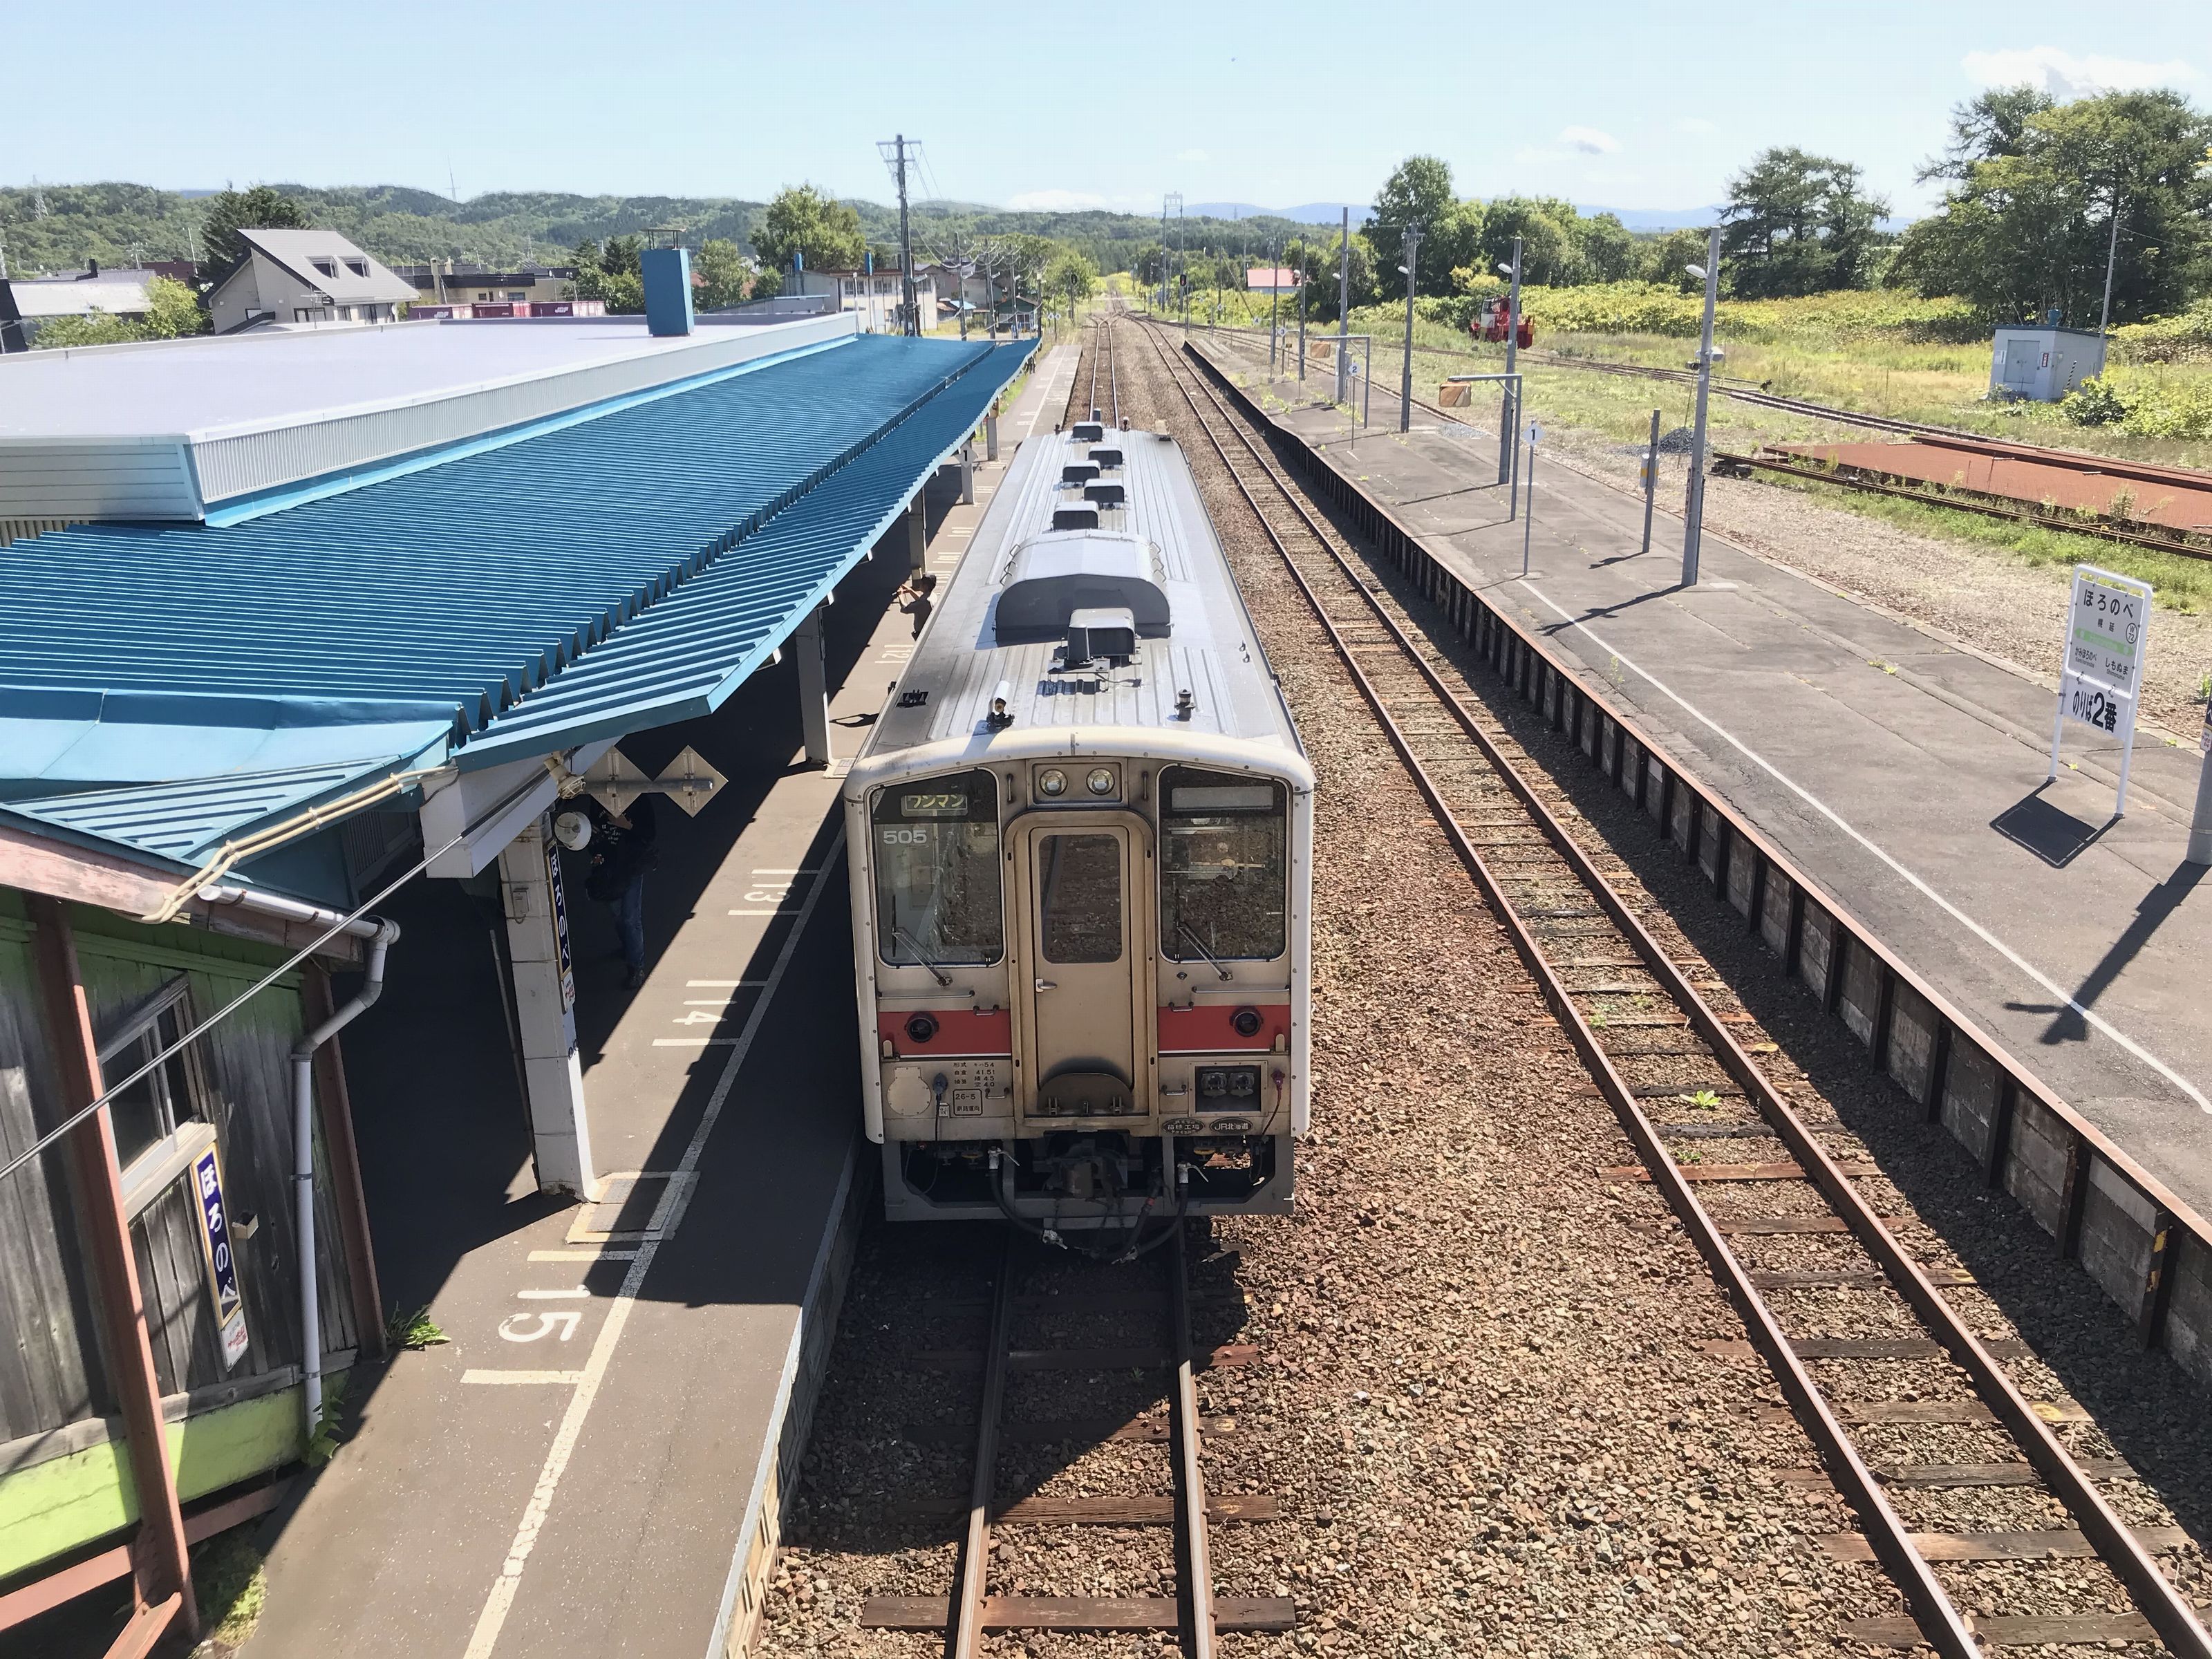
(618, 573)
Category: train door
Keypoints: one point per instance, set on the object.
(1086, 1052)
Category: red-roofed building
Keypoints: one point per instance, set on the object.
(1263, 279)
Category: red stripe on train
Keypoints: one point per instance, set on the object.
(956, 1031)
(1212, 1029)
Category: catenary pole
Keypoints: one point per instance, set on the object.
(906, 246)
(1344, 307)
(1507, 450)
(2111, 264)
(1693, 517)
(1650, 480)
(1405, 379)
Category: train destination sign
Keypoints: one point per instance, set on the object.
(2101, 677)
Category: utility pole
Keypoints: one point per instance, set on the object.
(1302, 314)
(2111, 264)
(1507, 450)
(1406, 381)
(1344, 306)
(894, 153)
(1274, 305)
(1693, 517)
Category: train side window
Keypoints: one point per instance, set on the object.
(1079, 897)
(936, 857)
(1224, 866)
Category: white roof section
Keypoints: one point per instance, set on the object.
(118, 293)
(298, 251)
(176, 429)
(1209, 648)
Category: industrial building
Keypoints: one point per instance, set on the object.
(299, 615)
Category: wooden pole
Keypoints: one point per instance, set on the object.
(161, 1571)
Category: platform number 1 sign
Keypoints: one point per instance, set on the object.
(2100, 680)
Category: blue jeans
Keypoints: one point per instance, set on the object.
(629, 923)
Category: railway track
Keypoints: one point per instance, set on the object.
(1162, 1346)
(1911, 1412)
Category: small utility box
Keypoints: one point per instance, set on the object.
(2043, 363)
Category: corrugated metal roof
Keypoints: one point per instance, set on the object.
(682, 657)
(186, 820)
(470, 585)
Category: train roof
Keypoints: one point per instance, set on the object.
(1149, 577)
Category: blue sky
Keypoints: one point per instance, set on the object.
(1625, 105)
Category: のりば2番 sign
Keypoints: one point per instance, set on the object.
(2101, 680)
(221, 1266)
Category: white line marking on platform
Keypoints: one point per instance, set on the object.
(583, 1255)
(763, 912)
(493, 1619)
(1837, 818)
(706, 1002)
(570, 1378)
(783, 872)
(692, 1042)
(574, 1293)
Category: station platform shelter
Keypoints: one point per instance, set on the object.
(314, 636)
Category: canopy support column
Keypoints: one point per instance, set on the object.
(813, 687)
(545, 1012)
(917, 531)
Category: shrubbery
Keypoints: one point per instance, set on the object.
(2147, 403)
(1836, 318)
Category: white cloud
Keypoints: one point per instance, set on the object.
(1695, 124)
(1193, 155)
(1590, 140)
(2064, 76)
(1054, 200)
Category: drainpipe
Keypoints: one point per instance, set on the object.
(380, 935)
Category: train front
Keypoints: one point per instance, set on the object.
(1081, 850)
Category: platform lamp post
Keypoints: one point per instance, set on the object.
(1694, 515)
(1405, 379)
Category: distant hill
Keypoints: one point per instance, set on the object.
(1306, 213)
(56, 227)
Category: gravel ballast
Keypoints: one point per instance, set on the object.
(1485, 1395)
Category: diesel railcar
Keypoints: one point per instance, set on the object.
(1081, 835)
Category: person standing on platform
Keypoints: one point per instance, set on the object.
(917, 603)
(627, 851)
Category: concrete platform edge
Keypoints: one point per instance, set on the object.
(805, 1365)
(2149, 1251)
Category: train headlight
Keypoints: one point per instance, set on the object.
(1052, 782)
(1101, 781)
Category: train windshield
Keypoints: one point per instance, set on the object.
(1224, 866)
(937, 871)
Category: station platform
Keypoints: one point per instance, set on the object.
(583, 1467)
(1902, 769)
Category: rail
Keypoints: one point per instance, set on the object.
(2148, 1249)
(1527, 890)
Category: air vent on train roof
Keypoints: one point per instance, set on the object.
(1104, 495)
(1056, 575)
(1088, 431)
(1107, 459)
(1078, 472)
(1075, 518)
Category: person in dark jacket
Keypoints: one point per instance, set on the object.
(626, 851)
(915, 601)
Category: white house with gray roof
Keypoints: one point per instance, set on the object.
(305, 277)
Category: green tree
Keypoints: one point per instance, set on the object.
(803, 219)
(1798, 223)
(1418, 191)
(719, 274)
(608, 272)
(2027, 222)
(265, 207)
(1071, 279)
(172, 310)
(1664, 259)
(1606, 250)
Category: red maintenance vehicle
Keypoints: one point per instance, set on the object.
(1490, 320)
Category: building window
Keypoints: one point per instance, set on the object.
(150, 1110)
(518, 294)
(328, 267)
(359, 267)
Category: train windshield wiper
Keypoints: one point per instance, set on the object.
(1198, 945)
(941, 976)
